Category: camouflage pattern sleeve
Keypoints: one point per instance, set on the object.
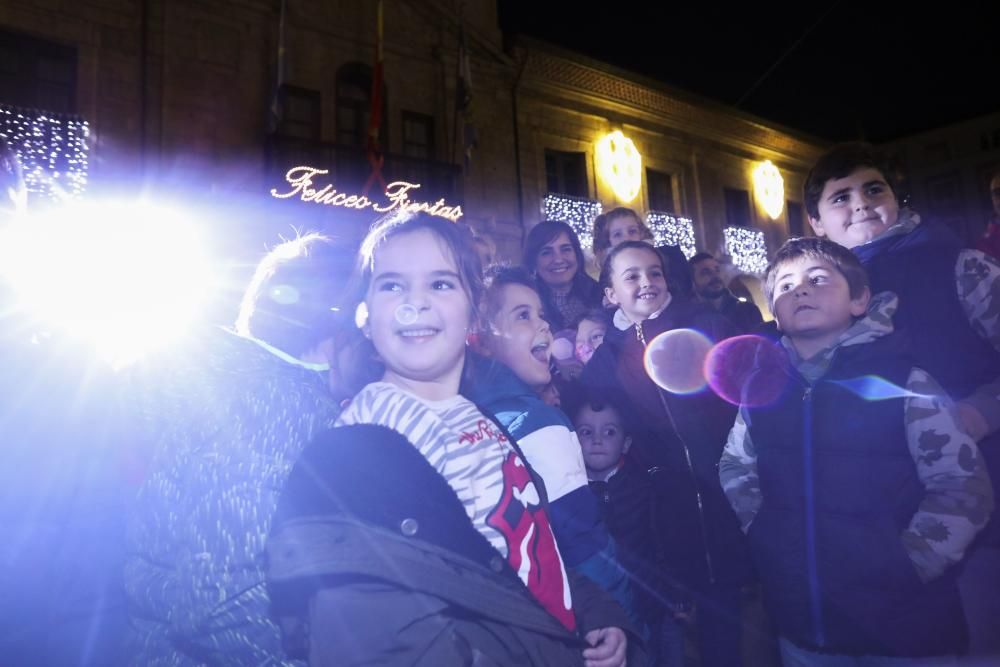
(978, 281)
(738, 473)
(958, 496)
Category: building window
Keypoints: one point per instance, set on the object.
(660, 187)
(300, 113)
(418, 135)
(353, 106)
(796, 219)
(737, 207)
(566, 173)
(37, 74)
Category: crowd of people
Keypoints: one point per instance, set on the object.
(410, 453)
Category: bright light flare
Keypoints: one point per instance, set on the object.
(129, 277)
(674, 360)
(875, 388)
(748, 370)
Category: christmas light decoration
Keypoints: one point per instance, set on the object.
(747, 248)
(577, 212)
(52, 150)
(670, 230)
(769, 188)
(301, 180)
(620, 165)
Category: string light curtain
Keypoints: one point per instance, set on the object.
(577, 212)
(672, 230)
(52, 148)
(747, 248)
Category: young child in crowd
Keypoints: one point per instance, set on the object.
(856, 508)
(624, 224)
(421, 282)
(627, 499)
(617, 226)
(590, 334)
(946, 319)
(677, 439)
(510, 385)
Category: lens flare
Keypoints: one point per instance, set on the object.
(406, 314)
(562, 349)
(875, 388)
(747, 370)
(361, 315)
(675, 360)
(285, 295)
(129, 277)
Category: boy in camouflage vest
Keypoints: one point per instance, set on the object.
(857, 489)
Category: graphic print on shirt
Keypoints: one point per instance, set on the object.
(476, 459)
(531, 546)
(484, 429)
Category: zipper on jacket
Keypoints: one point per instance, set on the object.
(690, 465)
(815, 608)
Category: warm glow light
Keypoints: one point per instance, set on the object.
(769, 188)
(620, 165)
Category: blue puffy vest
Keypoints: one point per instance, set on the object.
(839, 486)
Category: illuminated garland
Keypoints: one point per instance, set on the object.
(577, 212)
(671, 230)
(52, 150)
(747, 248)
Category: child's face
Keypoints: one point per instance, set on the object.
(589, 336)
(519, 337)
(856, 209)
(602, 438)
(624, 228)
(556, 264)
(812, 301)
(418, 312)
(638, 286)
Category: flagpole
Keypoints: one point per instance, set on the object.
(374, 148)
(275, 112)
(458, 87)
(463, 99)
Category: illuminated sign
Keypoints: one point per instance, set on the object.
(397, 193)
(769, 188)
(620, 165)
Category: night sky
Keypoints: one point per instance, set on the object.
(845, 70)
